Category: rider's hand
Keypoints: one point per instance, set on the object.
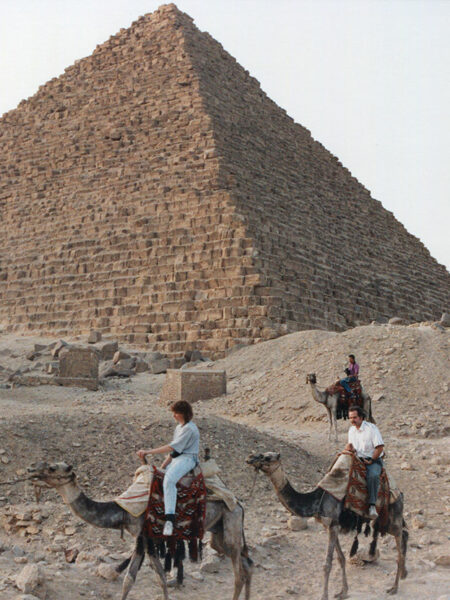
(142, 454)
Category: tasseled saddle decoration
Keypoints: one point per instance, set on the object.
(188, 526)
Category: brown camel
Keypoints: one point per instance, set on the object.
(330, 401)
(227, 527)
(326, 509)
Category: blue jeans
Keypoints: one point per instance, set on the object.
(345, 384)
(373, 472)
(174, 472)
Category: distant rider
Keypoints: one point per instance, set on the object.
(352, 372)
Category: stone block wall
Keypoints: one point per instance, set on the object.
(153, 191)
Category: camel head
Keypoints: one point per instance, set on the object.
(311, 378)
(267, 462)
(53, 475)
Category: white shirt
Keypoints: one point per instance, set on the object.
(186, 439)
(365, 439)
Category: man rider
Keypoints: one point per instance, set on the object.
(365, 440)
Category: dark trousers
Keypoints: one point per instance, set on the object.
(373, 472)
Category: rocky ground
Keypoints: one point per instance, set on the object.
(268, 407)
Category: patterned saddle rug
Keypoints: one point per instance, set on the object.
(345, 401)
(346, 481)
(189, 518)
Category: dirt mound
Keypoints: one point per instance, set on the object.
(404, 369)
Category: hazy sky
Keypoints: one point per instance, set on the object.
(369, 78)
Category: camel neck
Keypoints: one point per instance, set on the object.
(303, 505)
(101, 514)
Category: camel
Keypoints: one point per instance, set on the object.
(226, 527)
(327, 510)
(331, 404)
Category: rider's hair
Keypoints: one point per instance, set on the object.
(359, 410)
(351, 356)
(183, 408)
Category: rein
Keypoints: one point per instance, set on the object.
(13, 481)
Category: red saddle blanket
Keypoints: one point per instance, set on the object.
(356, 497)
(346, 401)
(190, 509)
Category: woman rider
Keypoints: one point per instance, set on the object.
(183, 457)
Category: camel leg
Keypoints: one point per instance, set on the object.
(158, 568)
(239, 577)
(332, 537)
(401, 541)
(330, 422)
(344, 592)
(133, 568)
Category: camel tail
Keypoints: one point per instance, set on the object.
(405, 536)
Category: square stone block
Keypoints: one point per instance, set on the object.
(193, 385)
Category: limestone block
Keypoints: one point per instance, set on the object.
(192, 385)
(107, 350)
(78, 367)
(94, 337)
(159, 366)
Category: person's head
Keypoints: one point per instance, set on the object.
(356, 416)
(182, 411)
(351, 358)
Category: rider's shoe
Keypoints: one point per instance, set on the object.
(168, 528)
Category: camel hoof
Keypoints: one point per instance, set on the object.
(393, 590)
(341, 595)
(404, 575)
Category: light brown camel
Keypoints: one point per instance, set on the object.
(227, 527)
(329, 511)
(330, 401)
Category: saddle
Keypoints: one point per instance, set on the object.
(345, 401)
(346, 481)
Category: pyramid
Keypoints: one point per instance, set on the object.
(154, 192)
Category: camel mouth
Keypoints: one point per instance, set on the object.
(254, 459)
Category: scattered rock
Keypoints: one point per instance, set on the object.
(443, 560)
(210, 564)
(297, 523)
(29, 578)
(119, 355)
(406, 466)
(418, 522)
(445, 319)
(107, 572)
(159, 366)
(396, 321)
(58, 347)
(71, 554)
(94, 337)
(107, 350)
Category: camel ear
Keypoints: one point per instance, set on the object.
(278, 455)
(69, 468)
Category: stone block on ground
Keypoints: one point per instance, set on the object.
(193, 385)
(107, 350)
(159, 366)
(78, 366)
